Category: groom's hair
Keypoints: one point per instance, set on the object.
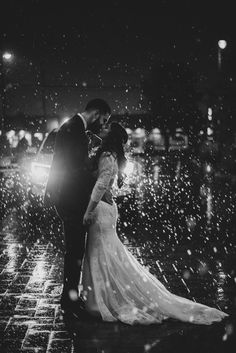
(100, 105)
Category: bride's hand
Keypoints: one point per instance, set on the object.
(88, 218)
(89, 214)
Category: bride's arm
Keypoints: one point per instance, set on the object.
(105, 173)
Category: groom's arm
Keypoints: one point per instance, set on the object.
(75, 142)
(70, 152)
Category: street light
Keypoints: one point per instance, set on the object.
(4, 58)
(222, 44)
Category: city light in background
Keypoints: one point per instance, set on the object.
(7, 56)
(222, 44)
(209, 114)
(167, 70)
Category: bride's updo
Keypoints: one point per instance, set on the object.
(113, 142)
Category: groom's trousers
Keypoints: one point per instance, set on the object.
(75, 242)
(75, 238)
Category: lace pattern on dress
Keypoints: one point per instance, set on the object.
(106, 174)
(122, 288)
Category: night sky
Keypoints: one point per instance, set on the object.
(104, 48)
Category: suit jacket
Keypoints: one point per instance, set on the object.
(70, 182)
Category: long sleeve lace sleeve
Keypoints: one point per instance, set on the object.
(105, 173)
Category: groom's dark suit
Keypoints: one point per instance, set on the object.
(69, 187)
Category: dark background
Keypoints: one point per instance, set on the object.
(79, 50)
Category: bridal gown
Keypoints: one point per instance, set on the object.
(114, 284)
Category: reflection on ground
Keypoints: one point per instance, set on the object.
(181, 228)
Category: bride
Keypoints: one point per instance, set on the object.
(115, 286)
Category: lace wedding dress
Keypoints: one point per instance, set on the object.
(114, 284)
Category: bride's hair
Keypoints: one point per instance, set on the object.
(113, 143)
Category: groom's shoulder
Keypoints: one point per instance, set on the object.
(74, 124)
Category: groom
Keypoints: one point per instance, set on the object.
(69, 187)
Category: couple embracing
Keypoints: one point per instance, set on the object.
(101, 277)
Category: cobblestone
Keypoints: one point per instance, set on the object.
(31, 320)
(201, 267)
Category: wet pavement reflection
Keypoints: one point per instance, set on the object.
(182, 229)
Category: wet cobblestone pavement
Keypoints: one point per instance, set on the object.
(200, 264)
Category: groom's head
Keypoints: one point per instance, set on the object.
(97, 113)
